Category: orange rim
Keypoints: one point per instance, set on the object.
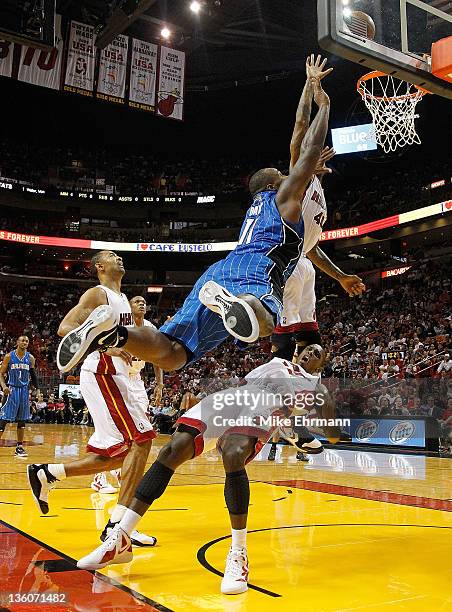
(376, 74)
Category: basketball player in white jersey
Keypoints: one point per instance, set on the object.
(298, 325)
(138, 307)
(123, 433)
(226, 420)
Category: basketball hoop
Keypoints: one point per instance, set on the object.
(392, 104)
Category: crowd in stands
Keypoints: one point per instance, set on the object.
(389, 352)
(383, 190)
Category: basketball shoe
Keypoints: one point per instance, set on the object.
(41, 482)
(98, 332)
(117, 548)
(101, 484)
(238, 317)
(235, 579)
(20, 451)
(136, 537)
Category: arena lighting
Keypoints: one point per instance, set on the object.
(347, 12)
(165, 33)
(195, 7)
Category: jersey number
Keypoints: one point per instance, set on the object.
(245, 236)
(320, 219)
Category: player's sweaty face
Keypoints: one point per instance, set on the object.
(138, 306)
(22, 343)
(114, 261)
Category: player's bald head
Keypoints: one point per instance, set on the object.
(265, 179)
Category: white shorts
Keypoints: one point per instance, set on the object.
(119, 415)
(214, 425)
(299, 295)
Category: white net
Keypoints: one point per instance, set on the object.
(392, 104)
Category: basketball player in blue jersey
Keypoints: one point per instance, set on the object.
(20, 367)
(245, 288)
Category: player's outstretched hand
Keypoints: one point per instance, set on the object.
(122, 354)
(321, 168)
(352, 284)
(315, 67)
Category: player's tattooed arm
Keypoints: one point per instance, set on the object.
(314, 67)
(3, 370)
(33, 375)
(90, 300)
(351, 283)
(292, 189)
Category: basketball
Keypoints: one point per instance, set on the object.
(360, 24)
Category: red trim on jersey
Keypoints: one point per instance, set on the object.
(200, 426)
(106, 365)
(257, 449)
(119, 411)
(296, 327)
(117, 450)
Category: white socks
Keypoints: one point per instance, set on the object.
(129, 521)
(57, 470)
(238, 538)
(118, 513)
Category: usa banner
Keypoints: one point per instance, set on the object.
(170, 90)
(43, 67)
(143, 75)
(111, 84)
(6, 57)
(81, 58)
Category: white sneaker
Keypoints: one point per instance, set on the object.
(117, 548)
(235, 578)
(141, 539)
(238, 317)
(101, 484)
(97, 332)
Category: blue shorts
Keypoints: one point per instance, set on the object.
(199, 329)
(17, 405)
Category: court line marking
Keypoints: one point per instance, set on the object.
(401, 499)
(201, 554)
(111, 581)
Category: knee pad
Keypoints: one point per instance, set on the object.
(285, 346)
(154, 483)
(237, 492)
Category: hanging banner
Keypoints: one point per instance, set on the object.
(170, 101)
(143, 75)
(111, 85)
(81, 57)
(6, 57)
(43, 68)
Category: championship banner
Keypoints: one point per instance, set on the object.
(143, 75)
(6, 57)
(111, 84)
(81, 58)
(170, 102)
(43, 67)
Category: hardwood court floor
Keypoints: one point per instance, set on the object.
(349, 531)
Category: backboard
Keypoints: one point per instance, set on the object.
(404, 33)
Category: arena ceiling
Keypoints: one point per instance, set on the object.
(230, 40)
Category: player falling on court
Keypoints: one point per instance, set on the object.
(245, 288)
(273, 389)
(298, 325)
(138, 307)
(123, 433)
(20, 367)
